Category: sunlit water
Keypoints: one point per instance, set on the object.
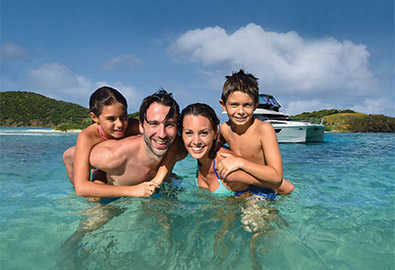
(340, 216)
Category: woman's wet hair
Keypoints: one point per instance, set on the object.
(105, 96)
(204, 110)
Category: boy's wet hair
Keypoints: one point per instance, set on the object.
(205, 111)
(161, 97)
(240, 81)
(105, 96)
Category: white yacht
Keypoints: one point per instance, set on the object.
(287, 130)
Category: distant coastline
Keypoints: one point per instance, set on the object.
(30, 110)
(54, 130)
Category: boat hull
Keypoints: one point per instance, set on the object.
(298, 132)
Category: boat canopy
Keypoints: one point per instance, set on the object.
(268, 102)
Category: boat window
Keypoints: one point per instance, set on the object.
(274, 102)
(263, 99)
(278, 123)
(261, 117)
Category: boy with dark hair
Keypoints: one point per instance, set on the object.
(254, 141)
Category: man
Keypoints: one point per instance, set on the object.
(132, 162)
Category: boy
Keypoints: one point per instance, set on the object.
(254, 141)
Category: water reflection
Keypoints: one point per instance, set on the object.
(176, 229)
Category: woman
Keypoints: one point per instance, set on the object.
(199, 129)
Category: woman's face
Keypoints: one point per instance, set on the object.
(198, 135)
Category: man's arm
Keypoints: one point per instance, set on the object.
(107, 157)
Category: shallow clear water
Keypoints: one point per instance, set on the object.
(340, 216)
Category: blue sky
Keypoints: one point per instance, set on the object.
(309, 54)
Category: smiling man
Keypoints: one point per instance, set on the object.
(135, 160)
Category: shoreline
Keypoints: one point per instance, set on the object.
(53, 130)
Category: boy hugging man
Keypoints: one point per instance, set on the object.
(254, 141)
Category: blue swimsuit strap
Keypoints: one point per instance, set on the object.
(215, 170)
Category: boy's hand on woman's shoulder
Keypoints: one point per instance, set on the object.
(227, 165)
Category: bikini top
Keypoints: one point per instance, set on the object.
(221, 190)
(101, 133)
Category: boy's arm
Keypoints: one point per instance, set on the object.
(242, 176)
(270, 173)
(285, 188)
(239, 175)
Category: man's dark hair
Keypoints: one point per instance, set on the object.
(161, 97)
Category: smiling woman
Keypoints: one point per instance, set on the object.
(199, 129)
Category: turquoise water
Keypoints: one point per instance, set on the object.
(340, 216)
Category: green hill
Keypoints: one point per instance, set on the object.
(350, 121)
(306, 116)
(26, 109)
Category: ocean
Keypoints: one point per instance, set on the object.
(341, 214)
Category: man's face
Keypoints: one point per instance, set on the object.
(159, 132)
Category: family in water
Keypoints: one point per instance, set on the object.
(132, 157)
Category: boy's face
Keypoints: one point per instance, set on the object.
(239, 106)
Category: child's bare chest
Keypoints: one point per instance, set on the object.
(247, 147)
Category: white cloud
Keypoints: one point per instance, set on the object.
(122, 63)
(297, 107)
(10, 51)
(284, 62)
(376, 106)
(58, 81)
(370, 106)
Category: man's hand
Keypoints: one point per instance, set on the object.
(228, 165)
(144, 189)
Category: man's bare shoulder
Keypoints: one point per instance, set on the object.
(111, 154)
(119, 146)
